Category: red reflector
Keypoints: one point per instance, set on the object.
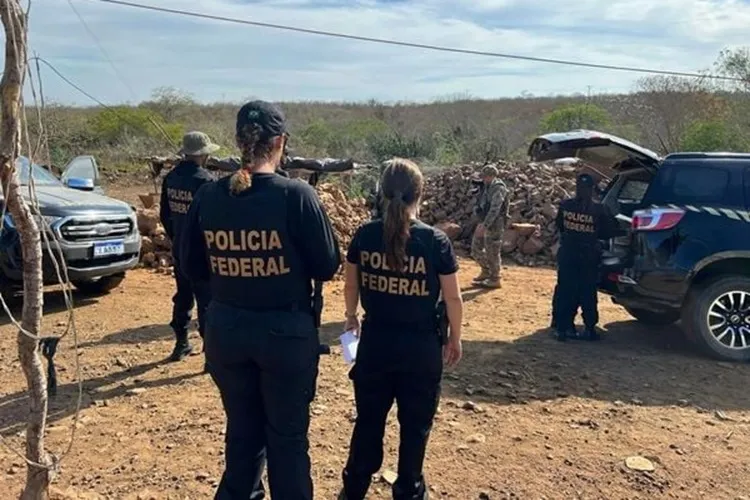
(656, 219)
(613, 277)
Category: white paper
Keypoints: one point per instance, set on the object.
(349, 343)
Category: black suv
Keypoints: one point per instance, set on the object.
(687, 253)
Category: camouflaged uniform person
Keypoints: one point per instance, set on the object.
(486, 245)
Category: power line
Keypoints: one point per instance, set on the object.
(455, 50)
(101, 48)
(100, 103)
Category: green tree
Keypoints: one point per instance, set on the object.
(713, 136)
(736, 64)
(115, 125)
(575, 116)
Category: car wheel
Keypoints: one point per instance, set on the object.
(100, 286)
(717, 318)
(653, 318)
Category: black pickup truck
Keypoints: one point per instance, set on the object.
(98, 235)
(687, 252)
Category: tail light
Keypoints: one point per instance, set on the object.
(656, 219)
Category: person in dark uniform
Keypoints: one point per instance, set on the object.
(259, 239)
(177, 192)
(599, 193)
(582, 222)
(399, 267)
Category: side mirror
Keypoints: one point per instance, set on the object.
(80, 183)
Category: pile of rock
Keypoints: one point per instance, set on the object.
(156, 248)
(536, 189)
(346, 215)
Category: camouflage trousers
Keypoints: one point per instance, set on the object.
(486, 251)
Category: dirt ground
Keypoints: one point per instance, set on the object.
(522, 416)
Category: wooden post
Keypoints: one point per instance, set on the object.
(42, 466)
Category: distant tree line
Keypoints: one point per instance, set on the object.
(663, 113)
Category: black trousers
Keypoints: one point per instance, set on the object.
(577, 279)
(187, 295)
(265, 366)
(555, 301)
(405, 369)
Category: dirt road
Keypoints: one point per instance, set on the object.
(522, 416)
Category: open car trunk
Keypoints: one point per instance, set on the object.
(628, 168)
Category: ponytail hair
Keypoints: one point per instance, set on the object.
(401, 185)
(254, 146)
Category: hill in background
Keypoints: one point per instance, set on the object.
(663, 113)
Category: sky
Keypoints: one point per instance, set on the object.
(216, 61)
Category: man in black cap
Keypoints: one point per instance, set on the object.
(177, 192)
(259, 239)
(582, 222)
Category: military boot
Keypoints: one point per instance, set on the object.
(479, 279)
(182, 349)
(591, 334)
(490, 283)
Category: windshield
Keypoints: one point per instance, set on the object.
(42, 177)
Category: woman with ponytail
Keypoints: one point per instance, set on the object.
(398, 267)
(259, 239)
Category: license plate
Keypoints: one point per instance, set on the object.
(107, 248)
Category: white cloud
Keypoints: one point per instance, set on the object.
(215, 60)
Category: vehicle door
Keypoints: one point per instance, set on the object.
(82, 173)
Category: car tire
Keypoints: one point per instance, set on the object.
(706, 329)
(653, 318)
(100, 286)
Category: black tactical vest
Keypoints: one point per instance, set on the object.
(252, 259)
(181, 184)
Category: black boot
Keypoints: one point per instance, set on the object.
(591, 335)
(182, 349)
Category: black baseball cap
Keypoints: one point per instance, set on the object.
(267, 115)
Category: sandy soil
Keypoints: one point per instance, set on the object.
(522, 416)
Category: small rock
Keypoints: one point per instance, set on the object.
(389, 476)
(476, 438)
(640, 464)
(135, 391)
(556, 378)
(472, 406)
(202, 476)
(722, 416)
(122, 363)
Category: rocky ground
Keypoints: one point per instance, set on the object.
(522, 416)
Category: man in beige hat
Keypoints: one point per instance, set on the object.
(486, 245)
(177, 192)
